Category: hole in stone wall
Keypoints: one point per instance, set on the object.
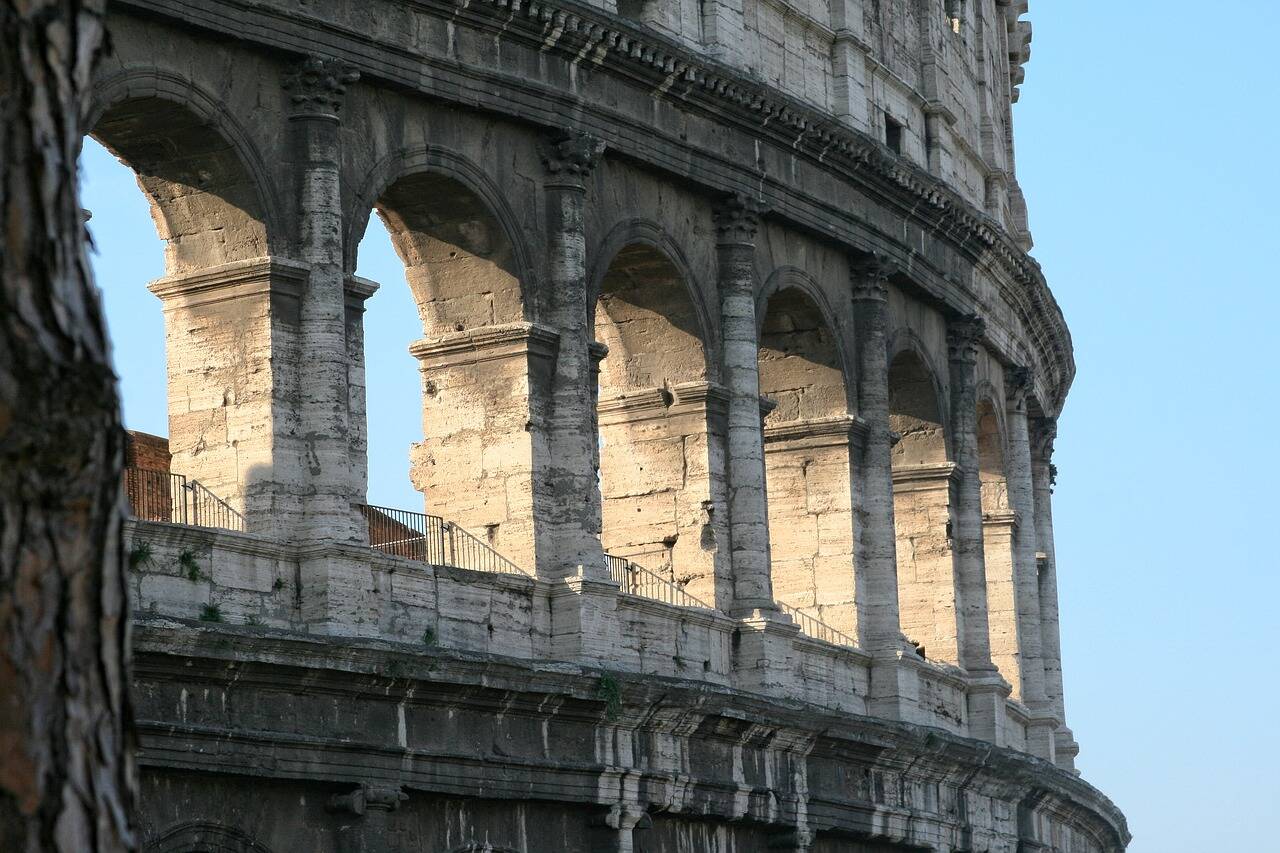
(893, 134)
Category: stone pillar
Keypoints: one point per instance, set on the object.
(987, 689)
(877, 575)
(1018, 468)
(365, 818)
(894, 685)
(485, 394)
(737, 218)
(1043, 431)
(571, 492)
(849, 77)
(231, 340)
(316, 89)
(358, 291)
(962, 356)
(723, 30)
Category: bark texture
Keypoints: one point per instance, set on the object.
(66, 775)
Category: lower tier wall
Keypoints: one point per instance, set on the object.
(260, 740)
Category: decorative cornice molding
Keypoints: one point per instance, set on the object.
(317, 86)
(963, 334)
(737, 218)
(571, 155)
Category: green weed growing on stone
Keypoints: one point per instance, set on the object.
(140, 556)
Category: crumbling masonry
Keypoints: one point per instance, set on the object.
(731, 349)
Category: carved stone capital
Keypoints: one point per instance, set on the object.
(737, 218)
(963, 335)
(869, 277)
(571, 154)
(367, 798)
(318, 86)
(1043, 431)
(1017, 386)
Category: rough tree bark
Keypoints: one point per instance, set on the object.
(66, 776)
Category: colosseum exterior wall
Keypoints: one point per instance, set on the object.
(738, 393)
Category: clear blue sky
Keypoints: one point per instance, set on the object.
(1147, 140)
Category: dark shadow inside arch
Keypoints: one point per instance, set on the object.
(915, 412)
(800, 365)
(459, 261)
(205, 204)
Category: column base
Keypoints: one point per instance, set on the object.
(762, 653)
(584, 619)
(334, 592)
(1042, 725)
(895, 685)
(986, 694)
(1066, 749)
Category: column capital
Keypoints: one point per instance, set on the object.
(367, 798)
(963, 334)
(1043, 431)
(737, 217)
(869, 277)
(570, 155)
(317, 86)
(1017, 386)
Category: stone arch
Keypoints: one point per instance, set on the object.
(484, 366)
(808, 463)
(638, 250)
(195, 163)
(923, 497)
(992, 447)
(917, 407)
(204, 837)
(213, 205)
(660, 417)
(436, 202)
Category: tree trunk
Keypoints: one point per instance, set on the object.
(66, 766)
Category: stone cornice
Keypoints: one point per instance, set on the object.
(486, 343)
(236, 280)
(575, 31)
(914, 477)
(818, 432)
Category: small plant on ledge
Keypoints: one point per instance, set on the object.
(609, 691)
(187, 561)
(140, 556)
(210, 613)
(429, 637)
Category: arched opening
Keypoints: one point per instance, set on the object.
(998, 545)
(483, 372)
(807, 461)
(207, 459)
(660, 423)
(923, 486)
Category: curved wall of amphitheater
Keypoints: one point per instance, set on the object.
(738, 399)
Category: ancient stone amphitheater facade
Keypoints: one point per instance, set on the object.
(738, 391)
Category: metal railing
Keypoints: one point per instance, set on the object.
(163, 496)
(431, 539)
(816, 628)
(637, 580)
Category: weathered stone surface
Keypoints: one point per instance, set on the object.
(763, 326)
